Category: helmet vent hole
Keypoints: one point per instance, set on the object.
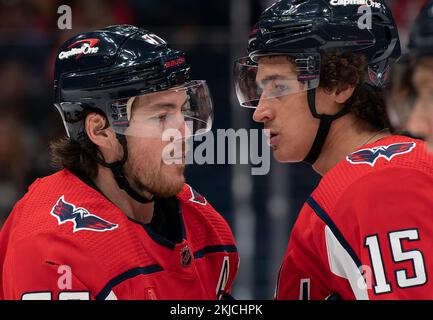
(296, 2)
(388, 34)
(284, 30)
(139, 73)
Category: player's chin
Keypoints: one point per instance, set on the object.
(173, 185)
(174, 169)
(285, 155)
(175, 173)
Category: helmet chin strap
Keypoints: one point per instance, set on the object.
(117, 170)
(324, 127)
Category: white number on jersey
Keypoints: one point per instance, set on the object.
(398, 255)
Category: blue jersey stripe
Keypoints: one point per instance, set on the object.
(125, 276)
(325, 218)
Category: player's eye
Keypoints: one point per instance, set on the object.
(159, 119)
(282, 89)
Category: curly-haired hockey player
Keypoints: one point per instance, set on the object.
(314, 75)
(118, 221)
(412, 107)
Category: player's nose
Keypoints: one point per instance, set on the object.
(263, 112)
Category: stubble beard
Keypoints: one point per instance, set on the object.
(155, 181)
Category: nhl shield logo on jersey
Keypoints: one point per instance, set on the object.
(80, 217)
(185, 256)
(371, 155)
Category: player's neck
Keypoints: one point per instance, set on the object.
(142, 212)
(344, 138)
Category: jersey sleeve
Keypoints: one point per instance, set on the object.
(387, 216)
(305, 273)
(40, 268)
(375, 243)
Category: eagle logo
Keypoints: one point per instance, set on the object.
(197, 197)
(371, 155)
(80, 217)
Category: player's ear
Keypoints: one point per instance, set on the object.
(99, 131)
(341, 96)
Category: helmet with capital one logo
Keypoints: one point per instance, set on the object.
(134, 79)
(119, 71)
(300, 33)
(304, 30)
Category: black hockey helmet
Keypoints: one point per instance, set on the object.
(305, 30)
(104, 69)
(421, 36)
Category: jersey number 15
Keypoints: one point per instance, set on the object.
(395, 239)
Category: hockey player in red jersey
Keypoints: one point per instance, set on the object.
(412, 107)
(314, 75)
(119, 222)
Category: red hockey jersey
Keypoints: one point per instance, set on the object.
(65, 240)
(366, 232)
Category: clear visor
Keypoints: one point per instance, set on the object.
(412, 106)
(400, 108)
(272, 77)
(185, 111)
(401, 96)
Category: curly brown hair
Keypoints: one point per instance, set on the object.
(79, 157)
(340, 71)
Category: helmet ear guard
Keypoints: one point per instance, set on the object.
(73, 115)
